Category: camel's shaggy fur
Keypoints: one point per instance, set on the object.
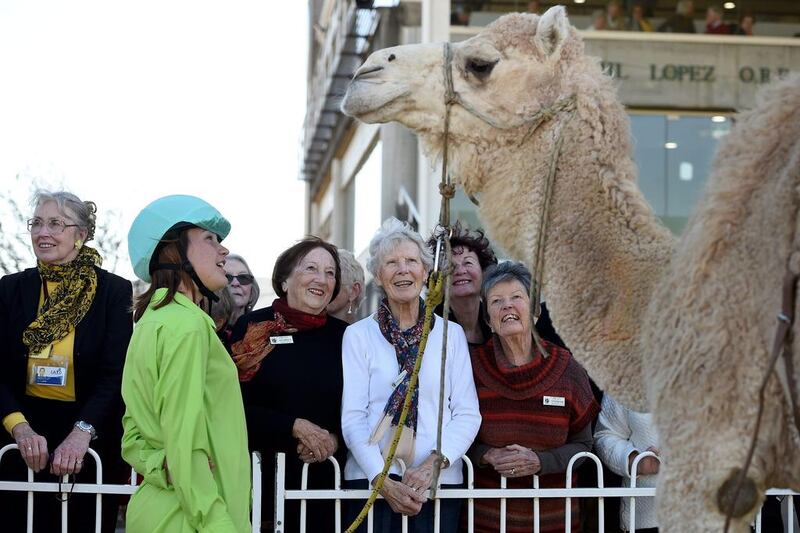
(697, 316)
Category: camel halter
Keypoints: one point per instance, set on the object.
(439, 281)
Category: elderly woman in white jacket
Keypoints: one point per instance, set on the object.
(620, 436)
(379, 353)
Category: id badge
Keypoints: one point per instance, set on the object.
(281, 339)
(50, 373)
(54, 376)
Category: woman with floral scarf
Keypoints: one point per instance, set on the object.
(64, 329)
(379, 355)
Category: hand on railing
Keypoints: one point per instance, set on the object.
(402, 498)
(419, 479)
(320, 443)
(646, 463)
(68, 457)
(32, 446)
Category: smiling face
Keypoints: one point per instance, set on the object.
(207, 257)
(467, 273)
(240, 293)
(55, 248)
(402, 273)
(310, 285)
(509, 309)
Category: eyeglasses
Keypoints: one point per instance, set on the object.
(243, 279)
(54, 226)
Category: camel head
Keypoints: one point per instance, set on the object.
(505, 74)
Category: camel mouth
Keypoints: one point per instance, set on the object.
(367, 96)
(363, 72)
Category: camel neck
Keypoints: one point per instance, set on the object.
(604, 247)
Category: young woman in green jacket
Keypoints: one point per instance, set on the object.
(184, 424)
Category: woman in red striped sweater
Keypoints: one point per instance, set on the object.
(537, 408)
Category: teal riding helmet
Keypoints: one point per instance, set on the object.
(158, 217)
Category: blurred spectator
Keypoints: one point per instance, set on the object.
(221, 311)
(535, 7)
(620, 436)
(714, 23)
(745, 26)
(681, 21)
(345, 305)
(244, 292)
(615, 20)
(599, 21)
(638, 22)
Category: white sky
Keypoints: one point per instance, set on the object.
(126, 101)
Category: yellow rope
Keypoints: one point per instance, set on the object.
(434, 298)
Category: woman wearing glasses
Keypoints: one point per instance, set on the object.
(243, 288)
(64, 329)
(289, 357)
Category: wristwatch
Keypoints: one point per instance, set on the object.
(445, 461)
(87, 427)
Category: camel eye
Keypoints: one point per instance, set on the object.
(480, 68)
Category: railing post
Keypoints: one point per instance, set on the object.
(256, 492)
(280, 491)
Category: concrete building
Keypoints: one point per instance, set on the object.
(680, 89)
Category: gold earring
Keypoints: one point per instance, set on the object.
(78, 244)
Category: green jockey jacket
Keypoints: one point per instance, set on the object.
(184, 422)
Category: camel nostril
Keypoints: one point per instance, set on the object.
(391, 57)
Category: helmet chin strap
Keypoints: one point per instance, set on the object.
(186, 266)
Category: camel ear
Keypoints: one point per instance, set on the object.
(552, 31)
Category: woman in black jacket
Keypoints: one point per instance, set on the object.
(64, 330)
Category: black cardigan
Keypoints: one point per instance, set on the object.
(101, 341)
(299, 380)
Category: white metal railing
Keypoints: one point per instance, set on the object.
(99, 488)
(470, 494)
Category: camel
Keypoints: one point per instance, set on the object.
(680, 327)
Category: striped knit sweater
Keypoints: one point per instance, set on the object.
(512, 405)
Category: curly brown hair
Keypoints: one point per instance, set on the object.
(473, 241)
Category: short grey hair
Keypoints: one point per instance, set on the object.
(352, 272)
(391, 233)
(255, 292)
(82, 213)
(505, 271)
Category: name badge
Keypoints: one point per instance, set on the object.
(557, 401)
(55, 376)
(281, 339)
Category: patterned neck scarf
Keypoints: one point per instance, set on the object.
(406, 348)
(249, 352)
(65, 308)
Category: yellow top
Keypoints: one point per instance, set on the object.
(61, 353)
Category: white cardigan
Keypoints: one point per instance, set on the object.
(370, 369)
(619, 432)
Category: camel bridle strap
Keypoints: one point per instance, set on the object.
(781, 348)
